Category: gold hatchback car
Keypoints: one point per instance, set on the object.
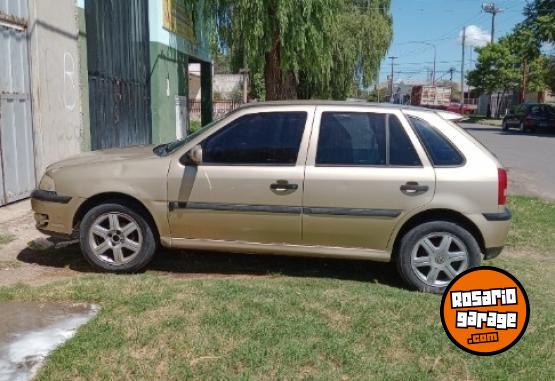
(324, 179)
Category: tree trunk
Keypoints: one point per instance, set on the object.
(500, 100)
(280, 85)
(524, 87)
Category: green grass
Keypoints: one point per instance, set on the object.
(533, 225)
(310, 319)
(6, 238)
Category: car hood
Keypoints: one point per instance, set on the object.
(105, 156)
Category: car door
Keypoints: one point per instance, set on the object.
(365, 169)
(249, 185)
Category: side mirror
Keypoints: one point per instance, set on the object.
(193, 157)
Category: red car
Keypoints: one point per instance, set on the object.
(466, 109)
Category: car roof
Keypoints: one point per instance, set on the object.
(444, 114)
(333, 103)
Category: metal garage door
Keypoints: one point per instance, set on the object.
(17, 170)
(118, 58)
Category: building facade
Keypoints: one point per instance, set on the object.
(80, 75)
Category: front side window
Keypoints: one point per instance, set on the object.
(440, 150)
(272, 138)
(363, 139)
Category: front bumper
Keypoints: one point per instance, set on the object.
(54, 213)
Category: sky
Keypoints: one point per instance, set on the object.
(440, 22)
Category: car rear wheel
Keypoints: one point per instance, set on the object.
(522, 127)
(505, 126)
(431, 255)
(115, 238)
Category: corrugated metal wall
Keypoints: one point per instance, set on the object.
(17, 175)
(118, 61)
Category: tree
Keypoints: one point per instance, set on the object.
(540, 17)
(360, 39)
(538, 74)
(523, 43)
(311, 42)
(550, 73)
(496, 69)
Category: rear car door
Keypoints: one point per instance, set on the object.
(249, 185)
(365, 170)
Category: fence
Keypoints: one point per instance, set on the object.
(220, 108)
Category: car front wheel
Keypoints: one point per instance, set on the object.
(115, 238)
(431, 255)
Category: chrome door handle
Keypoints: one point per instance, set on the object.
(283, 186)
(413, 188)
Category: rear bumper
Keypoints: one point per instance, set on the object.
(493, 253)
(505, 215)
(494, 228)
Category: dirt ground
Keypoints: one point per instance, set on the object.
(17, 262)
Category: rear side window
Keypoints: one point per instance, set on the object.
(401, 150)
(363, 139)
(440, 150)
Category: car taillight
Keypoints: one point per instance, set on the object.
(502, 187)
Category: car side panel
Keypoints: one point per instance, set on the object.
(145, 180)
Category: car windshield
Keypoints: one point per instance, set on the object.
(550, 110)
(168, 148)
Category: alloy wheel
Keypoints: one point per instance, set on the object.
(115, 238)
(438, 258)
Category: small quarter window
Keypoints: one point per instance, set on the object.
(440, 150)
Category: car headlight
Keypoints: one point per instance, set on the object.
(47, 184)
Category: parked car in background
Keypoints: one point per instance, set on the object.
(322, 179)
(530, 117)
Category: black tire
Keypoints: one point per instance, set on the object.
(522, 128)
(143, 256)
(410, 240)
(505, 127)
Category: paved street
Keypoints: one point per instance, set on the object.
(530, 159)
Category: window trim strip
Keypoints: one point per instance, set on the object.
(282, 209)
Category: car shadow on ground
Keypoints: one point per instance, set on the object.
(499, 131)
(195, 264)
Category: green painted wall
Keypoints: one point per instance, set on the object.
(84, 80)
(167, 65)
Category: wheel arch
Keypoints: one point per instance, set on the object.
(116, 198)
(438, 215)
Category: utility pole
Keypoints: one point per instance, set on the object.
(494, 10)
(462, 67)
(451, 72)
(392, 58)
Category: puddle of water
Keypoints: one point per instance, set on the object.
(30, 331)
